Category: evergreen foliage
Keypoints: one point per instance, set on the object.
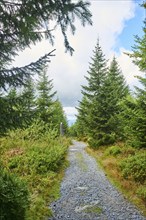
(9, 105)
(27, 22)
(138, 122)
(28, 103)
(14, 196)
(45, 98)
(82, 117)
(139, 49)
(112, 92)
(97, 73)
(17, 108)
(89, 107)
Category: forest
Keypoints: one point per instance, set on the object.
(111, 118)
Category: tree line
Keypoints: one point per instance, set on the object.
(33, 102)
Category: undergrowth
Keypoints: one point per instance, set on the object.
(125, 166)
(35, 156)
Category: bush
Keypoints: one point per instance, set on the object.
(38, 160)
(135, 167)
(13, 196)
(114, 150)
(101, 139)
(33, 154)
(128, 150)
(141, 192)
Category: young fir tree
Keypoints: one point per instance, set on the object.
(45, 98)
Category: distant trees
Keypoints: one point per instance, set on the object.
(35, 101)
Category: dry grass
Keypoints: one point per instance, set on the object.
(110, 165)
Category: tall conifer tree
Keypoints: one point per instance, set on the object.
(95, 79)
(112, 92)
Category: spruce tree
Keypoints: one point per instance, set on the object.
(95, 79)
(96, 74)
(99, 108)
(138, 121)
(82, 118)
(28, 104)
(9, 110)
(45, 98)
(112, 92)
(138, 54)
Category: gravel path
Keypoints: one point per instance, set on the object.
(86, 193)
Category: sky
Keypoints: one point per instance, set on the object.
(115, 22)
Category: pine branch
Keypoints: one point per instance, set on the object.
(17, 76)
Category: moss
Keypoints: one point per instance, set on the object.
(81, 162)
(93, 209)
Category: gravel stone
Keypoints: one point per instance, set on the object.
(84, 186)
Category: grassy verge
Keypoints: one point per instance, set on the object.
(125, 167)
(36, 158)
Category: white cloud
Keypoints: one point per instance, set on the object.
(71, 113)
(129, 69)
(68, 72)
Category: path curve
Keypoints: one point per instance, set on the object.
(86, 193)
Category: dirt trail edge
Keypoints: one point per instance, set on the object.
(86, 193)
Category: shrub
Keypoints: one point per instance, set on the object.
(33, 154)
(114, 150)
(13, 196)
(128, 150)
(101, 139)
(135, 167)
(38, 160)
(141, 192)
